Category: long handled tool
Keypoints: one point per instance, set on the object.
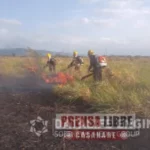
(65, 69)
(86, 76)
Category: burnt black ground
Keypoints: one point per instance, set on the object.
(20, 104)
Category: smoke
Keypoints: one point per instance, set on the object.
(34, 76)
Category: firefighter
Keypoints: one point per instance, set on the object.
(76, 62)
(94, 64)
(51, 63)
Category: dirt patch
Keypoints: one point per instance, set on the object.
(17, 108)
(22, 100)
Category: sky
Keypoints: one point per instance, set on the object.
(110, 27)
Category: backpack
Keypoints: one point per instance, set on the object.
(80, 60)
(102, 61)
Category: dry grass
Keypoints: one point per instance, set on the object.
(127, 91)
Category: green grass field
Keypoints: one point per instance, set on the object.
(127, 91)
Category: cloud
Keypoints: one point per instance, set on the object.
(125, 13)
(113, 26)
(125, 3)
(54, 42)
(85, 20)
(124, 8)
(99, 22)
(10, 21)
(3, 31)
(68, 42)
(141, 24)
(8, 25)
(104, 22)
(128, 15)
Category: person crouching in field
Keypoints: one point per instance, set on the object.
(51, 63)
(76, 62)
(95, 65)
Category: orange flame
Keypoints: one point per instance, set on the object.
(60, 78)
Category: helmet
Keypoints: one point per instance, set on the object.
(49, 55)
(75, 53)
(90, 52)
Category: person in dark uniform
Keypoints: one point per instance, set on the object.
(51, 63)
(94, 64)
(76, 62)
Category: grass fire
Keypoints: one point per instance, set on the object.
(28, 90)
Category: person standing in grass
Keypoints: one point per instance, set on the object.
(51, 63)
(76, 62)
(95, 65)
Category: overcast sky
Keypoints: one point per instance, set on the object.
(106, 26)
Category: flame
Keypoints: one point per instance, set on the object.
(59, 78)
